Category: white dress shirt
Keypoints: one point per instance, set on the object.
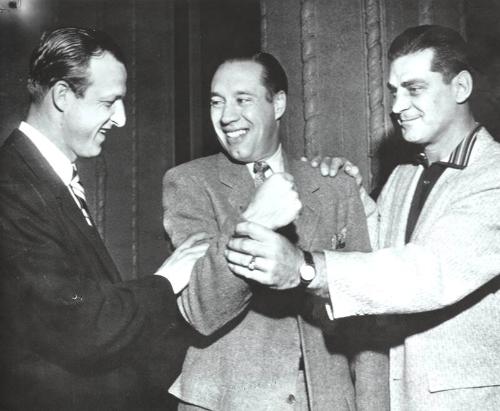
(275, 162)
(54, 156)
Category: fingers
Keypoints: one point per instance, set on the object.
(330, 166)
(324, 166)
(353, 171)
(242, 259)
(334, 166)
(316, 161)
(255, 275)
(254, 231)
(249, 247)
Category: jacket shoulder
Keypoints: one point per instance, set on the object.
(195, 169)
(341, 185)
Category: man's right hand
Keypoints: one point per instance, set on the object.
(275, 203)
(330, 166)
(178, 267)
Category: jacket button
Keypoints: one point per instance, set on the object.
(291, 399)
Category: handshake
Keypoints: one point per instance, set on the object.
(275, 203)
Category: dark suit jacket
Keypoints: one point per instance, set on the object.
(255, 336)
(74, 336)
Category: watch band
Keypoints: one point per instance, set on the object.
(308, 258)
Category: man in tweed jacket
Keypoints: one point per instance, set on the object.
(264, 348)
(435, 231)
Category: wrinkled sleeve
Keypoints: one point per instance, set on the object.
(56, 302)
(214, 295)
(460, 254)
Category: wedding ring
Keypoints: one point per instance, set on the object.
(251, 264)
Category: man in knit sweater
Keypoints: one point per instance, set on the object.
(435, 231)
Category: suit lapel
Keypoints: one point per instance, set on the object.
(309, 216)
(240, 189)
(238, 182)
(57, 194)
(440, 196)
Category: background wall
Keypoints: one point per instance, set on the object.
(333, 50)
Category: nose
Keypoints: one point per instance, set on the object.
(230, 113)
(400, 103)
(118, 117)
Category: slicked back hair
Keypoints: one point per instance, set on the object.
(450, 49)
(64, 54)
(274, 78)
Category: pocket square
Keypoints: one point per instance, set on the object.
(338, 240)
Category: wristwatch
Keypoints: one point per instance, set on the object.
(307, 270)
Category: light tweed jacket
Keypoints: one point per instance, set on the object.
(445, 281)
(250, 357)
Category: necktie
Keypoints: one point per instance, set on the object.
(78, 192)
(259, 169)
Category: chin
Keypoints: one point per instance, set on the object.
(236, 155)
(94, 152)
(410, 138)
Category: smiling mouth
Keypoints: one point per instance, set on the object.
(235, 134)
(406, 120)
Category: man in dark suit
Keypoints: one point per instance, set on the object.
(265, 348)
(74, 335)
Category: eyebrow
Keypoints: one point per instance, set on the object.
(414, 82)
(112, 97)
(238, 93)
(407, 84)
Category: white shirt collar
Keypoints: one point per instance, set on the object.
(55, 157)
(275, 161)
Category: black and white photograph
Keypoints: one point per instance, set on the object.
(250, 205)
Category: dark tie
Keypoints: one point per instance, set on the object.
(79, 193)
(259, 169)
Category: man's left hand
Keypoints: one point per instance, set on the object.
(262, 255)
(330, 166)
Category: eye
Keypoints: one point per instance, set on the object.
(244, 100)
(415, 91)
(216, 103)
(108, 103)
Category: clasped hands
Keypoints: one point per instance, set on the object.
(256, 251)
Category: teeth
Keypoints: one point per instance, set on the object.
(234, 134)
(402, 120)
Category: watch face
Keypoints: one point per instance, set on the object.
(307, 272)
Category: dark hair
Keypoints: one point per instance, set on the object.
(274, 77)
(450, 50)
(64, 54)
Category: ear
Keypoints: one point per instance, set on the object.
(279, 103)
(61, 95)
(462, 85)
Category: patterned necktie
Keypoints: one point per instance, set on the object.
(260, 168)
(78, 192)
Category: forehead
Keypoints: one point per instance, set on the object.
(238, 75)
(412, 66)
(107, 74)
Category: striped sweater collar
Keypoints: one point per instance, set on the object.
(459, 158)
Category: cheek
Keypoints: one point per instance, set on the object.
(215, 116)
